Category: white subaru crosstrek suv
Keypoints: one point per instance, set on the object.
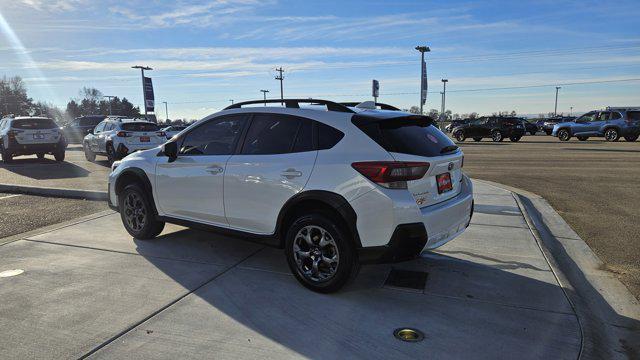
(335, 186)
(116, 137)
(25, 135)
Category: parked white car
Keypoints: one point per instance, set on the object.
(335, 186)
(173, 130)
(117, 137)
(31, 135)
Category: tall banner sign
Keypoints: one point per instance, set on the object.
(423, 83)
(149, 99)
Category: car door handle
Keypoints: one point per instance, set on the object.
(291, 173)
(214, 170)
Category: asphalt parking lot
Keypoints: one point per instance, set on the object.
(594, 185)
(488, 294)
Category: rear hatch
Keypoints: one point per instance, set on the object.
(415, 139)
(35, 131)
(143, 133)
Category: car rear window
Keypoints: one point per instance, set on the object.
(511, 122)
(140, 127)
(32, 124)
(92, 121)
(633, 115)
(410, 135)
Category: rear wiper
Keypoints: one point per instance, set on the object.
(448, 149)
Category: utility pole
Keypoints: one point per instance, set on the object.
(109, 97)
(264, 93)
(441, 105)
(166, 111)
(444, 99)
(422, 49)
(555, 110)
(281, 78)
(144, 94)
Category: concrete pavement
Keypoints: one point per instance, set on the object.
(90, 290)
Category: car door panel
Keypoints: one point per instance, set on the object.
(268, 171)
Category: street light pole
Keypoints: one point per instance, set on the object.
(571, 111)
(555, 109)
(264, 93)
(109, 97)
(422, 50)
(166, 111)
(231, 101)
(144, 94)
(444, 99)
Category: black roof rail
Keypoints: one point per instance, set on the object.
(295, 104)
(382, 105)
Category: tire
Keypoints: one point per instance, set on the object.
(88, 154)
(532, 132)
(496, 136)
(7, 157)
(548, 132)
(582, 138)
(564, 135)
(59, 155)
(111, 154)
(477, 139)
(515, 138)
(137, 214)
(40, 156)
(611, 134)
(631, 138)
(460, 136)
(303, 252)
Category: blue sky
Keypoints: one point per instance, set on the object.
(207, 52)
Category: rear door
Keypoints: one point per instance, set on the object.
(410, 139)
(273, 164)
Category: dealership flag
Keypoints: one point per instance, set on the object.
(148, 94)
(423, 83)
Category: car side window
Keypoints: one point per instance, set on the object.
(615, 116)
(271, 134)
(603, 116)
(215, 137)
(99, 128)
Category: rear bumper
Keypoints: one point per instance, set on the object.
(439, 224)
(27, 149)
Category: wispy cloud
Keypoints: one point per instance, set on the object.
(51, 5)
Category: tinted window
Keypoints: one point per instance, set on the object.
(304, 139)
(510, 122)
(615, 116)
(328, 137)
(140, 127)
(215, 137)
(30, 124)
(633, 115)
(271, 134)
(409, 136)
(90, 121)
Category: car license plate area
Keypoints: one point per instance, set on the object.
(38, 136)
(145, 139)
(444, 183)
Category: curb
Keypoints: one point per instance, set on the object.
(55, 192)
(608, 314)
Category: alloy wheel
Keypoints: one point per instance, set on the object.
(611, 135)
(496, 136)
(563, 135)
(135, 212)
(316, 253)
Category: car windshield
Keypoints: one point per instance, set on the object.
(140, 127)
(34, 124)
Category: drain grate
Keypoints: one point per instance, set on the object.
(406, 279)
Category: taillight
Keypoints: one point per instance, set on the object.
(391, 174)
(13, 133)
(123, 134)
(161, 134)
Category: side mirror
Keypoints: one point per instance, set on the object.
(170, 150)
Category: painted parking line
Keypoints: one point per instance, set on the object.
(9, 196)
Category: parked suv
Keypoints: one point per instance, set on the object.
(79, 127)
(611, 124)
(117, 137)
(496, 128)
(549, 123)
(31, 135)
(335, 186)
